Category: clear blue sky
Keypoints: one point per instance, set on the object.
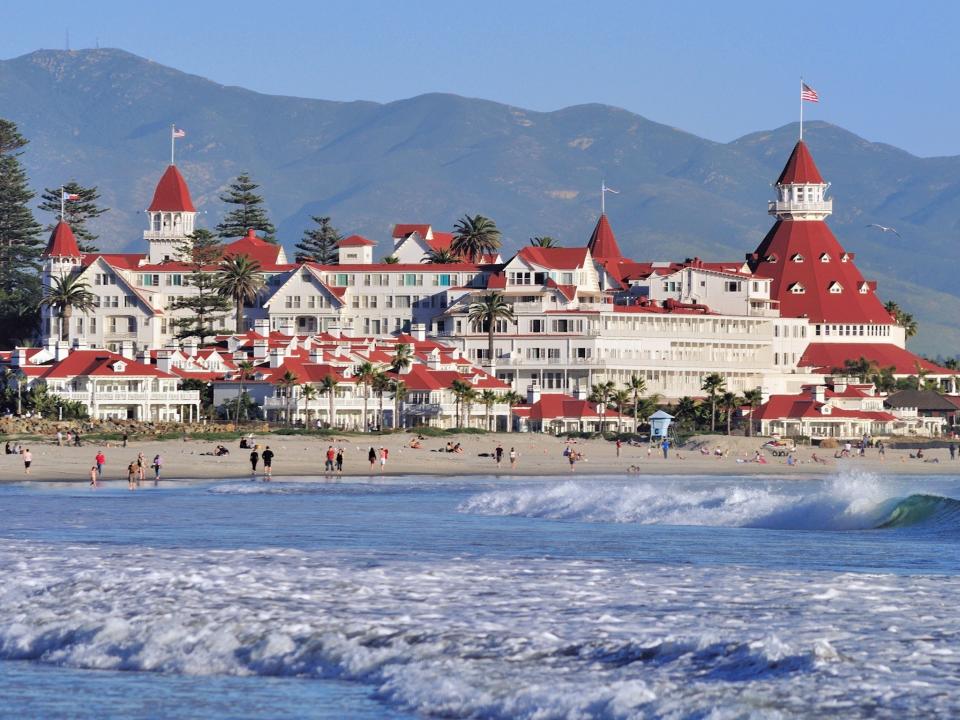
(885, 70)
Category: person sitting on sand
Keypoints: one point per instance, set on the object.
(704, 450)
(415, 444)
(457, 448)
(818, 460)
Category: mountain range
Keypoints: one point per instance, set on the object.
(102, 117)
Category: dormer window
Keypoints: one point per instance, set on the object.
(797, 289)
(772, 258)
(845, 257)
(119, 366)
(836, 288)
(798, 258)
(825, 258)
(864, 288)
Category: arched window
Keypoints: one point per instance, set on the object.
(156, 222)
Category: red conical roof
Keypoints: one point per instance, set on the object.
(800, 168)
(62, 243)
(172, 193)
(603, 244)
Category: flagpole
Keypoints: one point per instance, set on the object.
(172, 129)
(63, 208)
(603, 197)
(801, 107)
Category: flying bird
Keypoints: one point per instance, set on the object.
(884, 228)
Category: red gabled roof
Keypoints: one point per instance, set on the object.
(172, 193)
(62, 243)
(555, 258)
(551, 406)
(401, 230)
(267, 254)
(100, 363)
(800, 168)
(603, 244)
(355, 241)
(440, 240)
(800, 406)
(827, 356)
(808, 241)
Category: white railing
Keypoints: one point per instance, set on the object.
(185, 397)
(787, 206)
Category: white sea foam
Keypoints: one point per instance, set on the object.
(496, 638)
(852, 501)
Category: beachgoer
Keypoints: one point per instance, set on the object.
(328, 466)
(513, 457)
(665, 446)
(953, 451)
(59, 438)
(93, 476)
(919, 453)
(498, 454)
(571, 458)
(384, 454)
(76, 438)
(372, 457)
(618, 446)
(131, 475)
(157, 464)
(267, 463)
(101, 460)
(125, 438)
(8, 450)
(254, 459)
(27, 460)
(141, 461)
(881, 449)
(339, 460)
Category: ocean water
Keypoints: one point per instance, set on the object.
(615, 597)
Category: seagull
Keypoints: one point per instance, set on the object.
(884, 228)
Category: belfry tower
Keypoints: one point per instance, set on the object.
(171, 216)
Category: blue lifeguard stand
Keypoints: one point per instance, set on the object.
(660, 424)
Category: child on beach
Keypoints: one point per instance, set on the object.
(384, 454)
(27, 460)
(93, 476)
(339, 460)
(131, 475)
(157, 464)
(513, 458)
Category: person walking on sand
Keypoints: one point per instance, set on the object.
(513, 458)
(93, 476)
(59, 438)
(665, 446)
(953, 451)
(141, 461)
(331, 456)
(254, 459)
(157, 464)
(267, 464)
(27, 460)
(619, 445)
(498, 454)
(372, 457)
(384, 455)
(339, 461)
(131, 475)
(101, 460)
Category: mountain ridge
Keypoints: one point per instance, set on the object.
(103, 116)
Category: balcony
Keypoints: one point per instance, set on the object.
(776, 207)
(185, 397)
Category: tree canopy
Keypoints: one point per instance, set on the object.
(248, 211)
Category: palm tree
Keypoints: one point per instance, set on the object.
(901, 318)
(647, 406)
(245, 372)
(753, 398)
(470, 396)
(474, 237)
(308, 393)
(600, 394)
(730, 401)
(288, 381)
(64, 296)
(399, 388)
(380, 385)
(365, 374)
(240, 280)
(441, 256)
(489, 398)
(511, 398)
(487, 311)
(621, 400)
(713, 385)
(544, 241)
(637, 386)
(459, 388)
(686, 409)
(402, 357)
(390, 260)
(329, 385)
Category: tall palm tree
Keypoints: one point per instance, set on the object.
(441, 256)
(459, 388)
(647, 406)
(486, 312)
(380, 385)
(240, 280)
(753, 398)
(470, 396)
(329, 385)
(365, 374)
(544, 241)
(474, 237)
(511, 398)
(637, 386)
(686, 409)
(64, 296)
(287, 382)
(901, 318)
(600, 394)
(402, 357)
(621, 400)
(713, 385)
(245, 370)
(399, 388)
(489, 398)
(730, 401)
(309, 394)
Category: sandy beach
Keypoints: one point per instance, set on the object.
(299, 456)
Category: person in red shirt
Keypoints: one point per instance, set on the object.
(331, 455)
(101, 460)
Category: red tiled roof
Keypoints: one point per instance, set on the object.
(777, 258)
(827, 356)
(62, 243)
(800, 168)
(255, 248)
(355, 241)
(401, 230)
(128, 261)
(552, 406)
(603, 244)
(100, 363)
(800, 406)
(555, 258)
(440, 240)
(172, 193)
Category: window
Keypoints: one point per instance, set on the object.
(175, 279)
(128, 301)
(441, 280)
(836, 288)
(520, 278)
(93, 325)
(292, 302)
(341, 279)
(732, 286)
(825, 258)
(797, 289)
(149, 280)
(538, 326)
(798, 258)
(96, 301)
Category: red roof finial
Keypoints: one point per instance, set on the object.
(603, 244)
(251, 233)
(800, 168)
(62, 243)
(172, 193)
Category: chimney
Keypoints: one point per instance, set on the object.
(276, 357)
(171, 345)
(261, 326)
(80, 344)
(533, 393)
(143, 357)
(418, 331)
(840, 385)
(164, 360)
(334, 330)
(19, 357)
(126, 349)
(316, 355)
(61, 351)
(580, 392)
(50, 345)
(433, 360)
(260, 349)
(819, 393)
(190, 347)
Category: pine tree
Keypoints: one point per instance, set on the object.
(249, 212)
(76, 212)
(204, 249)
(320, 244)
(20, 243)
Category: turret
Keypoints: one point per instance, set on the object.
(171, 216)
(801, 191)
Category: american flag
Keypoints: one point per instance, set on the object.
(183, 133)
(70, 196)
(808, 93)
